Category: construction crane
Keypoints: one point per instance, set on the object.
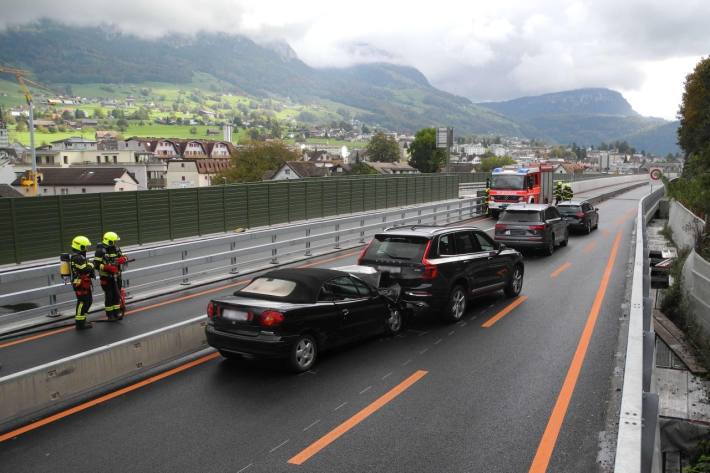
(30, 177)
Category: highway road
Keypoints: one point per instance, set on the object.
(516, 386)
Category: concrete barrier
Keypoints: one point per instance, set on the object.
(60, 383)
(696, 284)
(684, 224)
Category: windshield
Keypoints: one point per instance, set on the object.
(507, 181)
(396, 247)
(569, 209)
(520, 216)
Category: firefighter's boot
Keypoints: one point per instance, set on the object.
(83, 325)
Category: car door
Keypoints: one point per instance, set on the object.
(356, 317)
(498, 264)
(589, 213)
(475, 262)
(556, 223)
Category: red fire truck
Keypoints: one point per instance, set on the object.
(512, 184)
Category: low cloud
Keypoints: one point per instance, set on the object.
(476, 49)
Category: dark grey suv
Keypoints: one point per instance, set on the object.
(532, 226)
(440, 268)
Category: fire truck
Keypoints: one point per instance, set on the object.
(512, 184)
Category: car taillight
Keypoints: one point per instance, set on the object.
(271, 318)
(536, 227)
(211, 310)
(362, 253)
(579, 215)
(500, 227)
(430, 270)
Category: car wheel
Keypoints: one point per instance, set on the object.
(394, 322)
(566, 240)
(303, 353)
(456, 307)
(596, 225)
(588, 227)
(515, 283)
(550, 248)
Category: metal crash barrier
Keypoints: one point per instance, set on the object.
(637, 447)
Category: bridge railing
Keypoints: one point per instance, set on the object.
(159, 268)
(637, 449)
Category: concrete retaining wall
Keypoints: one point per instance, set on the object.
(684, 223)
(696, 283)
(40, 389)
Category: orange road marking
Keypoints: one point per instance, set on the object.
(590, 246)
(106, 397)
(168, 302)
(489, 323)
(366, 412)
(554, 424)
(559, 270)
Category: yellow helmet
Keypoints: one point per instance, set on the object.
(110, 238)
(80, 243)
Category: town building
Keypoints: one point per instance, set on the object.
(184, 173)
(68, 181)
(392, 168)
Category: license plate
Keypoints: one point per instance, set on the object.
(390, 269)
(231, 314)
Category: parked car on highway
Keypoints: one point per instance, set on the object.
(580, 215)
(296, 313)
(537, 226)
(439, 268)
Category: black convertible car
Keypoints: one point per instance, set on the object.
(296, 313)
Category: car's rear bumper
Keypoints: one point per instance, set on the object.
(529, 242)
(263, 346)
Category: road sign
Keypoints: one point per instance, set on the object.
(656, 174)
(444, 137)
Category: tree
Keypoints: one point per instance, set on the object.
(383, 148)
(365, 129)
(193, 130)
(250, 163)
(423, 151)
(21, 126)
(694, 113)
(79, 113)
(362, 168)
(67, 115)
(99, 113)
(490, 162)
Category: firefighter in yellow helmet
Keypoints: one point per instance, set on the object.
(109, 260)
(82, 275)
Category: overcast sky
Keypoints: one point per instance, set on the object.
(484, 50)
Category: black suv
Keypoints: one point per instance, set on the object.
(580, 215)
(439, 268)
(532, 226)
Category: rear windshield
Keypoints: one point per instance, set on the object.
(569, 209)
(270, 287)
(520, 216)
(393, 247)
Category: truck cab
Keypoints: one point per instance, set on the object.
(512, 185)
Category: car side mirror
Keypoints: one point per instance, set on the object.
(501, 247)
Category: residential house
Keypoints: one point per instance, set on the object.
(298, 170)
(67, 181)
(199, 172)
(392, 168)
(167, 148)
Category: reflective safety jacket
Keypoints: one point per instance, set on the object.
(82, 272)
(106, 254)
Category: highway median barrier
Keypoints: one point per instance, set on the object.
(39, 391)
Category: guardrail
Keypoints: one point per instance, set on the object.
(637, 449)
(225, 256)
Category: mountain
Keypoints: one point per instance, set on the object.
(586, 117)
(397, 97)
(662, 139)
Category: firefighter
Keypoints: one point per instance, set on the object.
(559, 192)
(108, 259)
(567, 193)
(82, 274)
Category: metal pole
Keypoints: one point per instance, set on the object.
(33, 152)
